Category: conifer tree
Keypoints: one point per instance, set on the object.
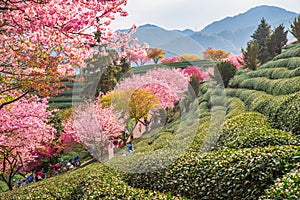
(277, 40)
(250, 55)
(295, 26)
(261, 37)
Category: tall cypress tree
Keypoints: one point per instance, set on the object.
(261, 37)
(295, 28)
(250, 55)
(277, 40)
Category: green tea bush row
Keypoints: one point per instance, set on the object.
(236, 81)
(92, 182)
(250, 130)
(65, 99)
(274, 87)
(291, 52)
(290, 46)
(234, 107)
(282, 111)
(145, 68)
(289, 63)
(228, 174)
(287, 187)
(74, 84)
(71, 92)
(275, 73)
(62, 105)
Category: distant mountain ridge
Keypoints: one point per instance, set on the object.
(230, 33)
(273, 15)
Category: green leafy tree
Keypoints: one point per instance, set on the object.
(250, 55)
(261, 37)
(224, 71)
(295, 28)
(277, 40)
(101, 73)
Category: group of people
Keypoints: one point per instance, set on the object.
(58, 168)
(64, 167)
(30, 177)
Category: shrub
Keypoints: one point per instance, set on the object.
(223, 72)
(250, 130)
(293, 52)
(274, 87)
(234, 107)
(289, 63)
(228, 174)
(92, 182)
(288, 114)
(286, 187)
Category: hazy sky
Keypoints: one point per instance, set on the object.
(192, 14)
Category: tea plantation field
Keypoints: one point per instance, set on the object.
(236, 143)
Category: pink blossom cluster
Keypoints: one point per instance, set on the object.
(170, 60)
(94, 127)
(236, 60)
(203, 75)
(167, 84)
(23, 128)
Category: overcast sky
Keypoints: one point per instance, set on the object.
(192, 14)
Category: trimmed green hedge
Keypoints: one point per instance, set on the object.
(274, 87)
(274, 73)
(250, 130)
(145, 68)
(234, 107)
(92, 182)
(283, 111)
(290, 63)
(62, 105)
(71, 92)
(287, 187)
(236, 81)
(293, 51)
(65, 99)
(228, 174)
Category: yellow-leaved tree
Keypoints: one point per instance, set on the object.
(156, 54)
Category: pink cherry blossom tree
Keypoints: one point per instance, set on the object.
(94, 127)
(203, 75)
(236, 60)
(23, 128)
(167, 84)
(170, 60)
(42, 41)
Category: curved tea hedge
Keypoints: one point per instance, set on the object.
(274, 87)
(274, 73)
(234, 107)
(250, 130)
(289, 63)
(293, 50)
(228, 174)
(286, 187)
(282, 111)
(92, 182)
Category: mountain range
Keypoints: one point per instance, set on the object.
(230, 34)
